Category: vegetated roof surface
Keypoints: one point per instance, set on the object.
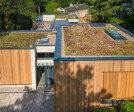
(84, 40)
(45, 25)
(10, 40)
(64, 17)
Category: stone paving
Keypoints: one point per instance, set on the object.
(23, 100)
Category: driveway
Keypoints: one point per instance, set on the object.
(22, 100)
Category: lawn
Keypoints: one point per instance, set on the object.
(64, 17)
(8, 40)
(84, 40)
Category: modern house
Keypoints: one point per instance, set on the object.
(26, 56)
(93, 66)
(89, 64)
(79, 9)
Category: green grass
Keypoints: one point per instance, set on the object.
(9, 40)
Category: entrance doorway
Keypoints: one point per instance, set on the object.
(45, 75)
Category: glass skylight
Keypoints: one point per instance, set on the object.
(115, 35)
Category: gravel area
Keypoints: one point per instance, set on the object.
(24, 100)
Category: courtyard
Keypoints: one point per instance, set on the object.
(19, 99)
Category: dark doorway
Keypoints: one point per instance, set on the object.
(45, 76)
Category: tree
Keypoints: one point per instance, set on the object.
(40, 4)
(52, 7)
(104, 10)
(7, 7)
(12, 11)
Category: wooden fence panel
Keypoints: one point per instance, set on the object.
(15, 67)
(81, 85)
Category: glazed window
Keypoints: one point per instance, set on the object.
(45, 55)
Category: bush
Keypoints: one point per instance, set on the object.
(127, 106)
(52, 7)
(104, 109)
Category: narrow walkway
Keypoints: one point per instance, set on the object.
(18, 100)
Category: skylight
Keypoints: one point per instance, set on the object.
(115, 35)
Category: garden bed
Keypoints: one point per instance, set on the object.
(84, 40)
(10, 40)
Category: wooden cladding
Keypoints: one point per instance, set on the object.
(15, 66)
(119, 84)
(79, 84)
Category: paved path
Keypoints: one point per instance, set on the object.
(18, 100)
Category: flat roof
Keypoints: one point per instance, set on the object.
(48, 13)
(76, 7)
(87, 40)
(64, 17)
(45, 25)
(25, 39)
(38, 19)
(58, 22)
(93, 42)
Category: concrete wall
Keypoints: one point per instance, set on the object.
(73, 20)
(46, 62)
(48, 17)
(41, 49)
(33, 69)
(80, 13)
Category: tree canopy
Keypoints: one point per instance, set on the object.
(18, 14)
(103, 10)
(52, 7)
(113, 11)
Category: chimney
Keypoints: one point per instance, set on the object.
(71, 5)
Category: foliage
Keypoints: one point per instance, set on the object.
(103, 109)
(103, 9)
(91, 2)
(127, 106)
(52, 7)
(13, 11)
(113, 11)
(66, 3)
(116, 20)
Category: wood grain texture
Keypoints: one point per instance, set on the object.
(120, 85)
(81, 85)
(15, 67)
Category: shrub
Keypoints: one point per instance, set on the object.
(104, 109)
(127, 106)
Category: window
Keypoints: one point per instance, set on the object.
(45, 55)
